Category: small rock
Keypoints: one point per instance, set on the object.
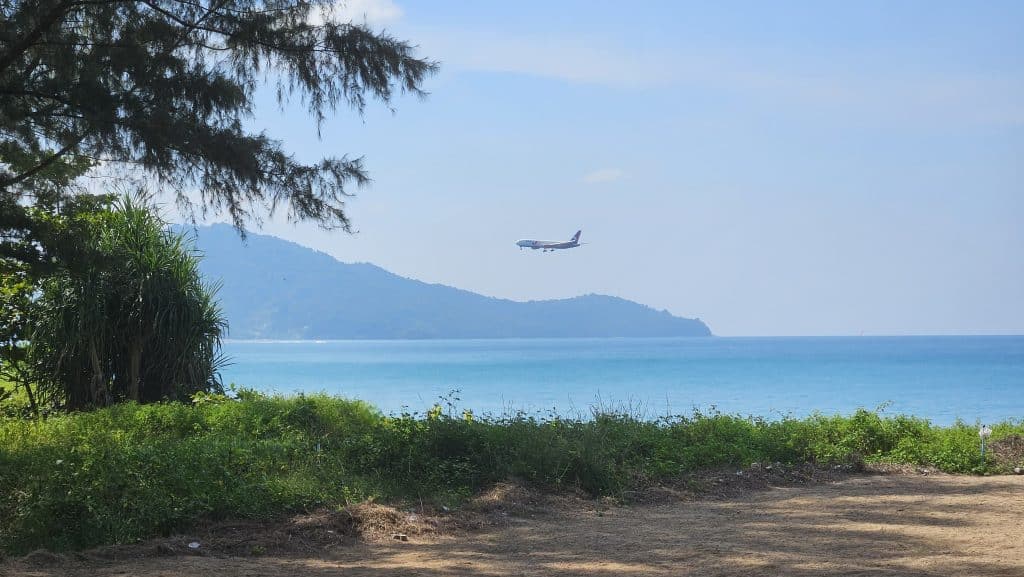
(1018, 470)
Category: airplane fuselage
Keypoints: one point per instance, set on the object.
(550, 244)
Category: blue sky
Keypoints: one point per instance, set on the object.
(774, 168)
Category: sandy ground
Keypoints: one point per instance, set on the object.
(896, 524)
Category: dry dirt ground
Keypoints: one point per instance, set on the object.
(891, 524)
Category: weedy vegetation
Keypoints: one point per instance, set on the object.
(131, 471)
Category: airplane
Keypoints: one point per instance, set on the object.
(551, 245)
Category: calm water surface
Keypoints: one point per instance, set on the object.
(940, 378)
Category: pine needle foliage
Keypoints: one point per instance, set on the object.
(164, 87)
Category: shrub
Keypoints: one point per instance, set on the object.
(135, 322)
(130, 471)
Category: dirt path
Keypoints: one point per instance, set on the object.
(863, 525)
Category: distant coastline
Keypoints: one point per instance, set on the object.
(714, 336)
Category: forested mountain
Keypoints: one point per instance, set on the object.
(275, 289)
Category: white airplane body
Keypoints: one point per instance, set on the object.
(547, 245)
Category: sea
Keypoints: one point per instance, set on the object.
(977, 379)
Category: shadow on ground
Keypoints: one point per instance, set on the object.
(863, 525)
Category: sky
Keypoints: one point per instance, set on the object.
(772, 168)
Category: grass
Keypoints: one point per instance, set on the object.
(13, 400)
(129, 472)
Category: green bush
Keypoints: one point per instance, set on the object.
(131, 471)
(130, 319)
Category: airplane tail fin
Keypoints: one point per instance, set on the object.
(576, 237)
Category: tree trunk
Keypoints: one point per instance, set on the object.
(31, 399)
(134, 370)
(96, 384)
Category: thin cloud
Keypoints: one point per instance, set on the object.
(604, 175)
(884, 96)
(372, 12)
(569, 58)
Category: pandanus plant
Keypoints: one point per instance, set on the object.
(135, 322)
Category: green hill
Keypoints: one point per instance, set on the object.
(275, 289)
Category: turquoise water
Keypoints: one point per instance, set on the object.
(940, 378)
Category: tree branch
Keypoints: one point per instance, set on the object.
(42, 165)
(18, 48)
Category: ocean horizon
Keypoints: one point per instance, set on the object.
(940, 378)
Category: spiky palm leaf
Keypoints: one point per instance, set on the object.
(137, 323)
